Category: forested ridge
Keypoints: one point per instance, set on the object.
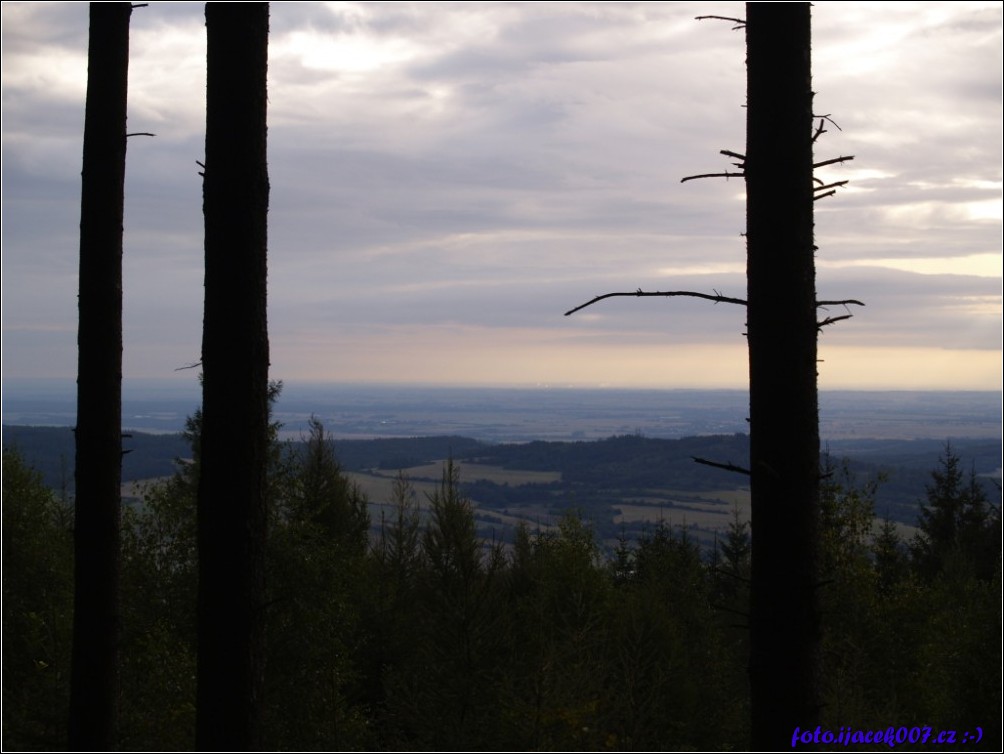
(590, 470)
(427, 636)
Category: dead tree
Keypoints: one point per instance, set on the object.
(782, 326)
(234, 441)
(98, 472)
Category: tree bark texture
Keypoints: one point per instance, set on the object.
(98, 467)
(232, 483)
(781, 330)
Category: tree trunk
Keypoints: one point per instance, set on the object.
(94, 674)
(781, 329)
(231, 495)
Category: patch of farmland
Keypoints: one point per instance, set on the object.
(470, 472)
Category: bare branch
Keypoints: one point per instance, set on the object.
(140, 133)
(819, 131)
(717, 298)
(830, 162)
(844, 302)
(739, 22)
(831, 320)
(725, 466)
(838, 184)
(190, 366)
(728, 153)
(741, 157)
(826, 116)
(713, 175)
(823, 196)
(821, 128)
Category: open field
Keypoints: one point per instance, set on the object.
(706, 510)
(379, 488)
(470, 472)
(702, 512)
(622, 485)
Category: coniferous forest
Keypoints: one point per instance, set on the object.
(248, 601)
(426, 636)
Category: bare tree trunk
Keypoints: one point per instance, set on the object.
(781, 328)
(94, 674)
(231, 496)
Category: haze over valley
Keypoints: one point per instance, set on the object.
(522, 414)
(623, 459)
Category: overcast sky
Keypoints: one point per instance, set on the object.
(449, 178)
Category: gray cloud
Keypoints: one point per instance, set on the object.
(448, 173)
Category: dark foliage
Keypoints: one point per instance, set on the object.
(37, 610)
(50, 451)
(900, 464)
(429, 637)
(959, 529)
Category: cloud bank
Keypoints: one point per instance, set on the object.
(449, 178)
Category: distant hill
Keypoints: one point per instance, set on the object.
(592, 473)
(632, 464)
(51, 451)
(628, 460)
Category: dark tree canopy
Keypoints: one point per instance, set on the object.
(958, 528)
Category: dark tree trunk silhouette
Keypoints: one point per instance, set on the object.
(232, 484)
(782, 330)
(94, 673)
